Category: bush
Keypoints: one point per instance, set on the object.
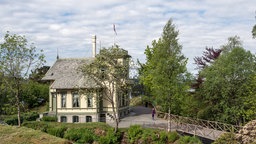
(134, 133)
(81, 135)
(13, 120)
(163, 136)
(173, 136)
(110, 138)
(147, 135)
(37, 125)
(57, 131)
(50, 119)
(226, 138)
(189, 140)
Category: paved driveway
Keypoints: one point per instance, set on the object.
(140, 115)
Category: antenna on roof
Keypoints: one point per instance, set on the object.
(57, 53)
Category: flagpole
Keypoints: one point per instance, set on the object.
(115, 34)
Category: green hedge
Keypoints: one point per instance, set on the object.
(13, 120)
(50, 119)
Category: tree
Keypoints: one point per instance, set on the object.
(164, 74)
(110, 71)
(229, 83)
(37, 74)
(254, 32)
(209, 55)
(17, 57)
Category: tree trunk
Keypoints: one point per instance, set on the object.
(18, 109)
(115, 117)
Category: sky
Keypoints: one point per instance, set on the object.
(67, 26)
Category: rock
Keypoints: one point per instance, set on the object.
(247, 134)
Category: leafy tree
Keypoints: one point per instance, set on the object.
(254, 31)
(228, 85)
(233, 42)
(37, 74)
(209, 56)
(164, 74)
(34, 94)
(110, 71)
(17, 57)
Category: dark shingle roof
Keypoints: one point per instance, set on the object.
(66, 75)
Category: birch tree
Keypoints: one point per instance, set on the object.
(17, 58)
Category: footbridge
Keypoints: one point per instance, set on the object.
(198, 127)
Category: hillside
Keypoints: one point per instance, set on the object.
(23, 135)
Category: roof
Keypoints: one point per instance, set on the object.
(66, 75)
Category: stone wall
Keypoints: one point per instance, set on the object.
(247, 135)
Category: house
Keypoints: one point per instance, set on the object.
(68, 104)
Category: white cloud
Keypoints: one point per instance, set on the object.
(68, 25)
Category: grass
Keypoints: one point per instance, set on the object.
(23, 135)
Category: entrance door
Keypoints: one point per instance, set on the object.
(102, 117)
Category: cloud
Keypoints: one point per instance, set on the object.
(68, 25)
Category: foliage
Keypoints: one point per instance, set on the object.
(226, 138)
(233, 42)
(110, 72)
(254, 31)
(13, 120)
(50, 118)
(164, 74)
(209, 56)
(229, 84)
(17, 57)
(173, 136)
(34, 94)
(110, 138)
(189, 140)
(134, 133)
(37, 74)
(57, 131)
(104, 134)
(81, 135)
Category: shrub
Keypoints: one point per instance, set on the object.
(173, 136)
(163, 136)
(50, 118)
(30, 116)
(226, 138)
(134, 133)
(57, 131)
(189, 140)
(81, 135)
(110, 138)
(13, 120)
(37, 125)
(147, 135)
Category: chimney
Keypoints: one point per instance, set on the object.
(93, 45)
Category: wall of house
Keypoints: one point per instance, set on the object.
(83, 110)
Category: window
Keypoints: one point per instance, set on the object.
(103, 73)
(123, 100)
(76, 100)
(88, 118)
(75, 119)
(63, 99)
(89, 101)
(63, 119)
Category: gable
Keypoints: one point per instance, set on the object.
(65, 74)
